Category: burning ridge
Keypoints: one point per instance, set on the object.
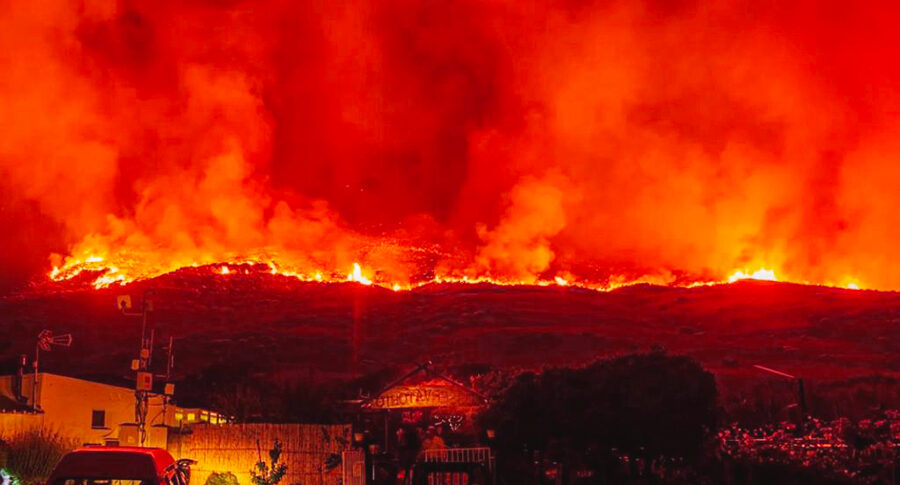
(94, 272)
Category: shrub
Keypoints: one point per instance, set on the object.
(224, 478)
(32, 454)
(269, 473)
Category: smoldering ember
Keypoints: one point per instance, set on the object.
(474, 242)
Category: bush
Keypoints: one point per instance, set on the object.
(269, 473)
(224, 478)
(33, 454)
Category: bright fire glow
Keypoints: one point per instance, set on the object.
(760, 274)
(357, 275)
(103, 276)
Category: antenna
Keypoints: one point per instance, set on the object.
(62, 340)
(45, 341)
(169, 388)
(144, 378)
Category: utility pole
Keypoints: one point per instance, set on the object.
(169, 388)
(141, 365)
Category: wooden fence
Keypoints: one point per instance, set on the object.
(236, 448)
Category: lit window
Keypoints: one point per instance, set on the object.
(191, 417)
(179, 416)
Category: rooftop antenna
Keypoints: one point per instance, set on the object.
(141, 365)
(169, 388)
(45, 341)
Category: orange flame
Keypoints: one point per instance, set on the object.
(112, 275)
(357, 275)
(760, 274)
(395, 155)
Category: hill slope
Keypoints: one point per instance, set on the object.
(347, 328)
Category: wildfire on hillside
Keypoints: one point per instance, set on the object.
(104, 275)
(399, 143)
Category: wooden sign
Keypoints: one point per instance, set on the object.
(424, 396)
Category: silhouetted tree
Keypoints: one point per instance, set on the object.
(644, 404)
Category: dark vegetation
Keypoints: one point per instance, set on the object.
(644, 405)
(650, 403)
(225, 478)
(31, 455)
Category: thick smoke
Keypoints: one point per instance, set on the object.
(517, 140)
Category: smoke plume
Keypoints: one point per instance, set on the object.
(599, 140)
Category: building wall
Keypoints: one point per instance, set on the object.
(6, 386)
(236, 448)
(68, 405)
(189, 416)
(12, 424)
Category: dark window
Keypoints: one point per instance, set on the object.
(98, 418)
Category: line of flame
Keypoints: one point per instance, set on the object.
(110, 274)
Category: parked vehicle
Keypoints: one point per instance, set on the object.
(120, 466)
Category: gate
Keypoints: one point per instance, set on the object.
(353, 467)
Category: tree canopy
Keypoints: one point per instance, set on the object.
(650, 404)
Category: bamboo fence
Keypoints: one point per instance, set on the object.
(236, 448)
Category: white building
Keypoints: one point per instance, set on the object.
(91, 412)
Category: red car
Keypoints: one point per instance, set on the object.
(120, 466)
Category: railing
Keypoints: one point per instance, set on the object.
(461, 455)
(480, 455)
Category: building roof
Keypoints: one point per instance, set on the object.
(466, 396)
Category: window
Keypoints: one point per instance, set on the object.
(98, 418)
